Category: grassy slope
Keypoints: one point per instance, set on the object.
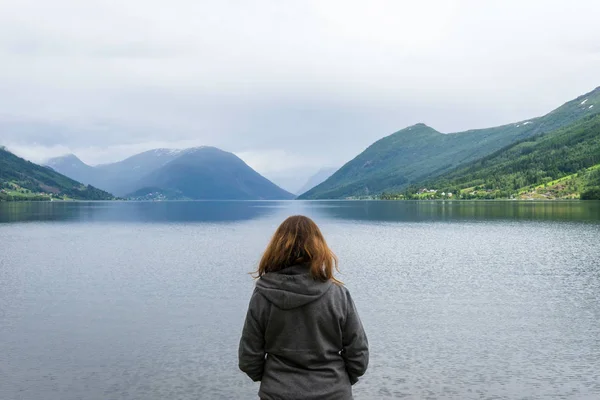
(24, 180)
(420, 152)
(560, 164)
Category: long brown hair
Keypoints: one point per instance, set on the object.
(298, 240)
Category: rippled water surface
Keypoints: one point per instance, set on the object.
(488, 300)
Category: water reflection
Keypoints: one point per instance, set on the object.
(201, 211)
(223, 211)
(416, 211)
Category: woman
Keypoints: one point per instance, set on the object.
(302, 338)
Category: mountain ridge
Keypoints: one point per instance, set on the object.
(402, 158)
(564, 163)
(168, 174)
(320, 176)
(213, 169)
(23, 180)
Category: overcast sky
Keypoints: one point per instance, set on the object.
(289, 86)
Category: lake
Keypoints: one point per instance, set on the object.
(460, 300)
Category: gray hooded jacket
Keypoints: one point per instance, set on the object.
(302, 338)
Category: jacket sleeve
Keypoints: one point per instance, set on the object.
(251, 353)
(354, 339)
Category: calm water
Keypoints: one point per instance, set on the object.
(486, 300)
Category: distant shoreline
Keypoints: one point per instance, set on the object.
(285, 200)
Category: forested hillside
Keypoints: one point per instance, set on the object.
(419, 152)
(562, 164)
(24, 180)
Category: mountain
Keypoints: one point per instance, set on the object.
(24, 180)
(209, 173)
(118, 177)
(561, 164)
(195, 173)
(316, 179)
(71, 166)
(419, 152)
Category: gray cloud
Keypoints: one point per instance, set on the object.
(288, 86)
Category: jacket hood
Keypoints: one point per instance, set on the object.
(291, 287)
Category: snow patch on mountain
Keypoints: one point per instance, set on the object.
(167, 152)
